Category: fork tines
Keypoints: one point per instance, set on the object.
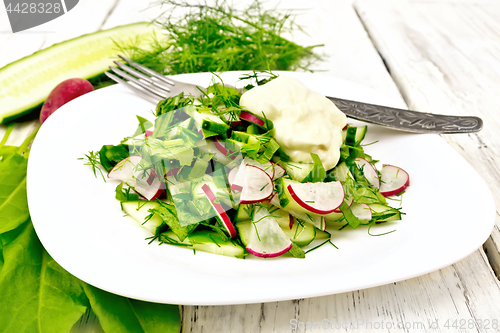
(141, 79)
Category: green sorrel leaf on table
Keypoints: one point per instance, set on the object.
(13, 200)
(37, 294)
(119, 314)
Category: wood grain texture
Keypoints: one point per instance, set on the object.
(442, 56)
(447, 60)
(465, 291)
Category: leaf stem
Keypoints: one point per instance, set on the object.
(7, 134)
(28, 140)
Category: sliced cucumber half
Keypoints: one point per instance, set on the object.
(26, 83)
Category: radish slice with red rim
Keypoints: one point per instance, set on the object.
(368, 170)
(221, 213)
(125, 169)
(362, 211)
(267, 239)
(279, 171)
(318, 198)
(244, 115)
(266, 167)
(257, 187)
(236, 180)
(394, 180)
(231, 176)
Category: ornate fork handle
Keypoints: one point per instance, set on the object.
(407, 120)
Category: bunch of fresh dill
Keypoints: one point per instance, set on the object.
(216, 37)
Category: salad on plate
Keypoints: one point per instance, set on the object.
(266, 170)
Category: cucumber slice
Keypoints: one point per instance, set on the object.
(210, 124)
(383, 213)
(301, 233)
(139, 211)
(341, 172)
(297, 170)
(242, 213)
(208, 241)
(26, 83)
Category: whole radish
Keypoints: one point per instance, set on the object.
(62, 94)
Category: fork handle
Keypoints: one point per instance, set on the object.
(408, 120)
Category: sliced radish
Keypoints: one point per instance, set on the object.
(150, 192)
(231, 176)
(266, 167)
(362, 211)
(394, 180)
(233, 119)
(221, 213)
(220, 146)
(236, 179)
(257, 186)
(145, 183)
(244, 115)
(318, 198)
(149, 132)
(279, 171)
(349, 200)
(368, 170)
(315, 220)
(266, 238)
(124, 170)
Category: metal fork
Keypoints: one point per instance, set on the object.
(148, 83)
(155, 87)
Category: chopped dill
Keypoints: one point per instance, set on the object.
(93, 160)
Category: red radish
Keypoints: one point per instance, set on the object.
(124, 170)
(233, 119)
(266, 239)
(368, 170)
(257, 187)
(62, 94)
(220, 157)
(315, 220)
(220, 146)
(394, 180)
(279, 171)
(231, 177)
(266, 167)
(237, 179)
(152, 192)
(143, 182)
(362, 211)
(149, 132)
(221, 213)
(244, 115)
(318, 198)
(349, 202)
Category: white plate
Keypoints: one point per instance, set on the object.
(449, 214)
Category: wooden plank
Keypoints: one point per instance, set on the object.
(465, 291)
(414, 305)
(447, 59)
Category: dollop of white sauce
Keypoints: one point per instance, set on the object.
(304, 120)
